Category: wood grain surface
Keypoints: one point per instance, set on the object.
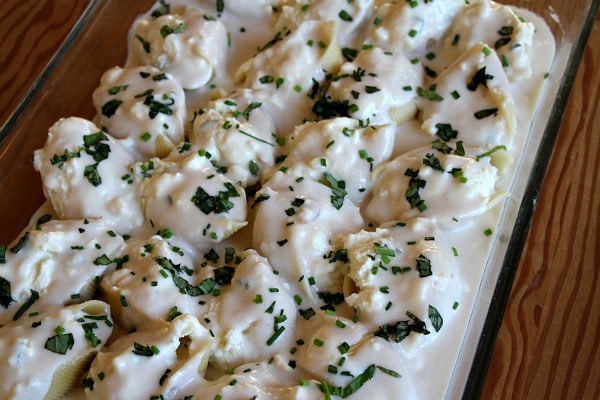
(30, 32)
(549, 343)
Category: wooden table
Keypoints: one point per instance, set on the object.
(549, 343)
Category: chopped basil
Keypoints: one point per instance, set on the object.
(215, 204)
(326, 108)
(349, 54)
(338, 189)
(25, 306)
(89, 333)
(275, 335)
(260, 199)
(429, 94)
(92, 174)
(224, 275)
(359, 381)
(160, 77)
(205, 287)
(307, 313)
(103, 260)
(351, 388)
(400, 330)
(505, 32)
(340, 255)
(164, 377)
(278, 36)
(344, 16)
(163, 9)
(5, 294)
(253, 167)
(433, 162)
(331, 299)
(423, 266)
(412, 193)
(144, 42)
(389, 372)
(173, 313)
(246, 113)
(431, 73)
(144, 350)
(502, 42)
(297, 202)
(455, 39)
(156, 107)
(441, 147)
(485, 113)
(479, 78)
(60, 343)
(460, 150)
(436, 319)
(20, 244)
(110, 107)
(116, 89)
(56, 159)
(104, 318)
(166, 30)
(445, 132)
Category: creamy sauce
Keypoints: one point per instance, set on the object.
(287, 201)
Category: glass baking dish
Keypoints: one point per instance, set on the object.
(98, 43)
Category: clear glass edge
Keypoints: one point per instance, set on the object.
(515, 219)
(515, 222)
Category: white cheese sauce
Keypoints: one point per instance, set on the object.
(277, 200)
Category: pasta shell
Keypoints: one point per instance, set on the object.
(403, 113)
(506, 110)
(378, 170)
(86, 292)
(242, 72)
(497, 198)
(163, 146)
(501, 159)
(68, 375)
(332, 59)
(94, 307)
(60, 344)
(190, 347)
(349, 287)
(184, 346)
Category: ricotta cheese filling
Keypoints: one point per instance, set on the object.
(275, 200)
